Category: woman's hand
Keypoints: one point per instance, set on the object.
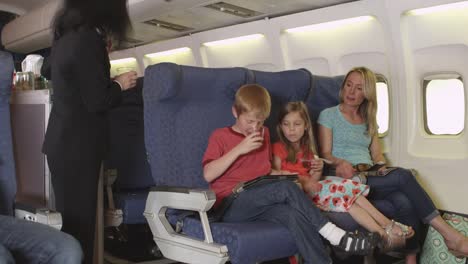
(126, 80)
(344, 169)
(381, 170)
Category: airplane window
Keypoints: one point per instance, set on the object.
(444, 106)
(383, 108)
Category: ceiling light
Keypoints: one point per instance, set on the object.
(330, 25)
(233, 40)
(168, 52)
(439, 8)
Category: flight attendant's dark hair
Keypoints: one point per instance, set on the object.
(109, 16)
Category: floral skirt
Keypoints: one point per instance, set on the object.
(338, 195)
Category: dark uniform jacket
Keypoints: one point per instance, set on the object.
(82, 95)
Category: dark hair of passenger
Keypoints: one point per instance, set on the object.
(109, 16)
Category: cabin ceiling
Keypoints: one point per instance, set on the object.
(197, 17)
(156, 20)
(20, 7)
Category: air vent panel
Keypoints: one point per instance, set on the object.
(167, 25)
(233, 10)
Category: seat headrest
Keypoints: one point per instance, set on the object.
(324, 94)
(173, 79)
(168, 86)
(290, 85)
(184, 105)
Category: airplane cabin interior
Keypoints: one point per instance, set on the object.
(191, 57)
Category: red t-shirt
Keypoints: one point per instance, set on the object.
(279, 150)
(246, 167)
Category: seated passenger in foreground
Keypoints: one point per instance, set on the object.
(348, 136)
(28, 242)
(296, 153)
(241, 153)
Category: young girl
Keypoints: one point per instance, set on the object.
(294, 153)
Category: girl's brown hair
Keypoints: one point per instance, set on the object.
(307, 141)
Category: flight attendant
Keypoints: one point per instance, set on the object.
(77, 133)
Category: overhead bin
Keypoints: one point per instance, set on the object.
(31, 31)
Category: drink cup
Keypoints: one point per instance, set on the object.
(306, 163)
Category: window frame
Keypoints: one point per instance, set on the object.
(425, 82)
(381, 78)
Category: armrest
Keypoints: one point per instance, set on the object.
(38, 214)
(178, 246)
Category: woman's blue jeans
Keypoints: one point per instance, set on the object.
(402, 180)
(411, 202)
(35, 243)
(284, 203)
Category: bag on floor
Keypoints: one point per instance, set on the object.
(434, 250)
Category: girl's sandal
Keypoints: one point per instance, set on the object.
(391, 240)
(407, 231)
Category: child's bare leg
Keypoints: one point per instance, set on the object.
(363, 218)
(378, 216)
(381, 219)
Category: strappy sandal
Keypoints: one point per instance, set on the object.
(392, 240)
(406, 231)
(359, 243)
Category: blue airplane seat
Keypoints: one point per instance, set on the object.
(324, 93)
(7, 164)
(183, 106)
(280, 86)
(127, 156)
(128, 180)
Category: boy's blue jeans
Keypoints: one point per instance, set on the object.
(284, 203)
(5, 256)
(35, 243)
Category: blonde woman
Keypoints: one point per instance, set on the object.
(348, 137)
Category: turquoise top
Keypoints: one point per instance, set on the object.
(350, 142)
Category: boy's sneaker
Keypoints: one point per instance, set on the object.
(359, 243)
